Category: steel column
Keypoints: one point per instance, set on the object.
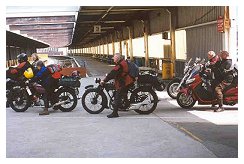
(130, 30)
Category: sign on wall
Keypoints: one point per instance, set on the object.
(97, 28)
(220, 24)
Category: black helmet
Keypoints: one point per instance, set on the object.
(40, 63)
(22, 58)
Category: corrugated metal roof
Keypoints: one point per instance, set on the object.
(51, 24)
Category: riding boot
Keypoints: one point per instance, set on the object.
(220, 108)
(44, 112)
(114, 113)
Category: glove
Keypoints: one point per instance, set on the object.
(207, 64)
(102, 82)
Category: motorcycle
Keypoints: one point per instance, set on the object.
(149, 77)
(189, 71)
(198, 89)
(141, 99)
(21, 95)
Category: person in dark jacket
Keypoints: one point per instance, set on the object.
(23, 65)
(122, 81)
(44, 78)
(223, 77)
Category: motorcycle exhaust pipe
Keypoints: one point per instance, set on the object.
(138, 105)
(60, 103)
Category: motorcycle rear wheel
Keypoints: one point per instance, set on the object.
(150, 94)
(67, 94)
(185, 101)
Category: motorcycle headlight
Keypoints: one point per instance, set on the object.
(190, 81)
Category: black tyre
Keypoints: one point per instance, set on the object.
(139, 95)
(185, 101)
(19, 99)
(92, 101)
(171, 88)
(68, 96)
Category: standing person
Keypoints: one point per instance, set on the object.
(35, 59)
(223, 77)
(45, 78)
(122, 81)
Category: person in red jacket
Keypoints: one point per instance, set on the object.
(23, 65)
(122, 81)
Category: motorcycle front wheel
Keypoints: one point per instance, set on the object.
(140, 95)
(92, 101)
(171, 88)
(185, 101)
(19, 99)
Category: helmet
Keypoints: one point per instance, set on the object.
(28, 73)
(224, 54)
(40, 63)
(211, 54)
(22, 58)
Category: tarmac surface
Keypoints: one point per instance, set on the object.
(169, 132)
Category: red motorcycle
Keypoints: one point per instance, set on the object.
(198, 89)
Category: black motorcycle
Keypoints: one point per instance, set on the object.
(141, 99)
(21, 94)
(149, 77)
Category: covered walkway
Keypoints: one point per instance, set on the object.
(162, 37)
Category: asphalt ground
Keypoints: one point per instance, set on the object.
(169, 132)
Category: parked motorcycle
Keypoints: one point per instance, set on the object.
(21, 95)
(189, 71)
(149, 77)
(198, 89)
(141, 99)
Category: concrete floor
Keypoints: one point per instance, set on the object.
(169, 132)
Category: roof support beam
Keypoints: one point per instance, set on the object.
(46, 32)
(39, 20)
(38, 27)
(120, 10)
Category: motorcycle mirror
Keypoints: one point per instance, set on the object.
(188, 62)
(97, 80)
(203, 60)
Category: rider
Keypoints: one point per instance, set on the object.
(122, 81)
(44, 77)
(212, 58)
(22, 68)
(223, 77)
